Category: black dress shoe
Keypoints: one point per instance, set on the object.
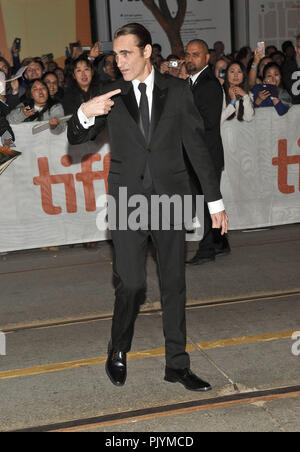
(221, 244)
(186, 377)
(116, 368)
(222, 249)
(200, 260)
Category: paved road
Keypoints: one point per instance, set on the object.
(242, 312)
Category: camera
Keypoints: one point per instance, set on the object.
(222, 73)
(17, 43)
(74, 44)
(173, 64)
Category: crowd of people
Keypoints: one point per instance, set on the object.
(250, 79)
(46, 91)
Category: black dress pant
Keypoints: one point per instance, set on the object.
(130, 252)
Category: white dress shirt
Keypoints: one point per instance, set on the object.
(214, 207)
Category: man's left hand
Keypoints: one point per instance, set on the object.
(220, 221)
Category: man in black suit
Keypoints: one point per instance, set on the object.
(149, 119)
(208, 97)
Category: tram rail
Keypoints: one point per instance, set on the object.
(109, 420)
(193, 304)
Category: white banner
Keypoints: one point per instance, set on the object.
(48, 194)
(204, 19)
(261, 181)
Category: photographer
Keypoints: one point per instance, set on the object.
(171, 66)
(220, 69)
(271, 92)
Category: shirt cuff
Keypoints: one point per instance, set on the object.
(216, 206)
(84, 121)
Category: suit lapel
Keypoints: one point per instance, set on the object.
(129, 100)
(203, 75)
(160, 92)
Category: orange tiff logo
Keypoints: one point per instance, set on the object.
(87, 176)
(283, 161)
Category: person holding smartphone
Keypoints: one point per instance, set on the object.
(271, 92)
(220, 69)
(37, 105)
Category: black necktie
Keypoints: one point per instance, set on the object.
(144, 110)
(191, 83)
(145, 120)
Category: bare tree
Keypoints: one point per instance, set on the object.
(171, 25)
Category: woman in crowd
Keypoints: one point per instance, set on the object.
(271, 92)
(84, 85)
(51, 80)
(237, 102)
(38, 106)
(61, 77)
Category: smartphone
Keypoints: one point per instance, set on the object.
(50, 56)
(29, 104)
(106, 46)
(222, 73)
(261, 47)
(17, 43)
(273, 90)
(74, 44)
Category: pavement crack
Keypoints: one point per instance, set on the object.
(215, 365)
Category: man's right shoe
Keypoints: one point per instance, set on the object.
(187, 378)
(223, 249)
(116, 367)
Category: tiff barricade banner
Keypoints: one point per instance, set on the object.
(49, 194)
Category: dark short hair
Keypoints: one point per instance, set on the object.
(138, 30)
(157, 46)
(200, 42)
(36, 60)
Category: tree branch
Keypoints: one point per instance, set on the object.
(165, 10)
(180, 16)
(157, 13)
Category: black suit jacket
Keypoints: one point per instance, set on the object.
(175, 122)
(208, 96)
